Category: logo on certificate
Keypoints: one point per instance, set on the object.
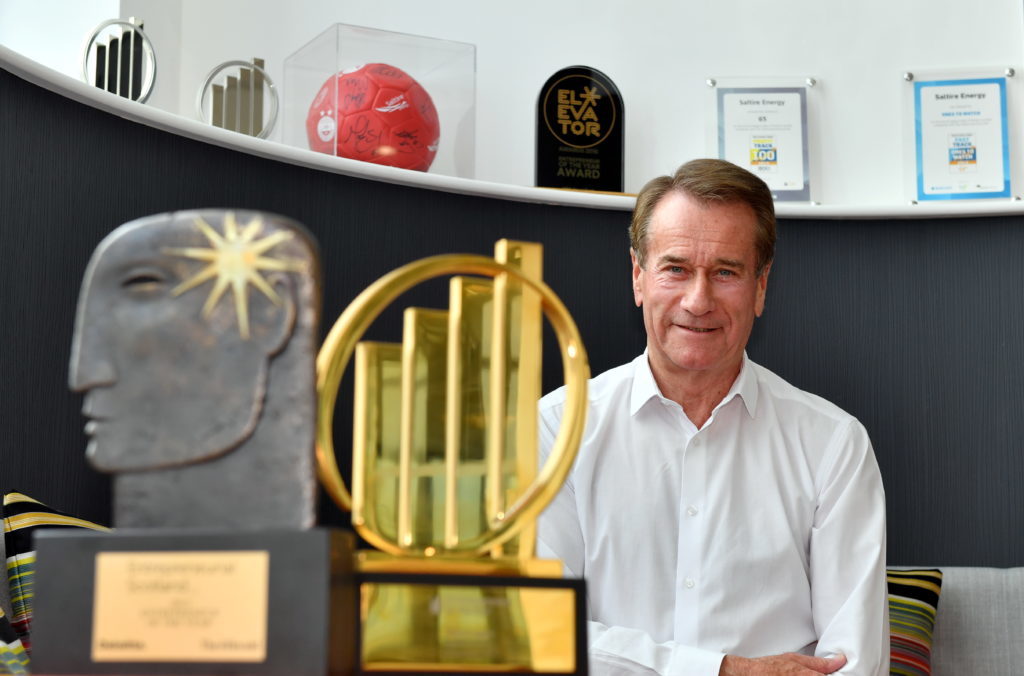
(963, 153)
(764, 155)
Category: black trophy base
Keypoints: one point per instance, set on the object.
(303, 586)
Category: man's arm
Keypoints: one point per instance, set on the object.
(847, 556)
(793, 664)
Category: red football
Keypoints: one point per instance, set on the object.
(375, 113)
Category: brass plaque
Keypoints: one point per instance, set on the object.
(487, 628)
(181, 606)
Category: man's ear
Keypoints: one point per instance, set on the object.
(638, 272)
(762, 289)
(276, 323)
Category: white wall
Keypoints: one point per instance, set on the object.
(53, 32)
(162, 24)
(659, 53)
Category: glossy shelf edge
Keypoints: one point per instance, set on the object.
(76, 90)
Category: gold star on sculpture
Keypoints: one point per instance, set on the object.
(235, 259)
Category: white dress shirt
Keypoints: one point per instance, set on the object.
(761, 533)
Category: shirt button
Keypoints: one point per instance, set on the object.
(689, 583)
(691, 511)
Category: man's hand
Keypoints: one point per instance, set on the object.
(788, 663)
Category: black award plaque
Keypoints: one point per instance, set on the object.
(579, 131)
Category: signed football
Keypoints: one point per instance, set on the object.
(375, 113)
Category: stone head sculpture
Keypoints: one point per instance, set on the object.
(194, 345)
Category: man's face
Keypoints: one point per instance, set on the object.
(699, 288)
(163, 385)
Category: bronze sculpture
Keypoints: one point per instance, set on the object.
(195, 340)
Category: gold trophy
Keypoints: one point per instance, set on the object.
(445, 482)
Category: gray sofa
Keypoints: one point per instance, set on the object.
(979, 626)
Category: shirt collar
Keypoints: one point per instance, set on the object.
(645, 387)
(745, 386)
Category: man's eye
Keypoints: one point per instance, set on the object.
(726, 273)
(675, 269)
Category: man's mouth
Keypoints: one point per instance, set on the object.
(697, 329)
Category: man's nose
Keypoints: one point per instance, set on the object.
(699, 297)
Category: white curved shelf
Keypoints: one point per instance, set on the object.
(59, 83)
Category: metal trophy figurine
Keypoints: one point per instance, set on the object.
(445, 477)
(194, 345)
(182, 321)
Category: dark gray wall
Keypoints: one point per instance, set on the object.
(913, 326)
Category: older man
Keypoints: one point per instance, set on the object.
(726, 521)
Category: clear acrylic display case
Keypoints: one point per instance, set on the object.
(445, 69)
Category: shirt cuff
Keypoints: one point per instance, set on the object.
(690, 662)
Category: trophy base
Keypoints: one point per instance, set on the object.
(460, 616)
(271, 603)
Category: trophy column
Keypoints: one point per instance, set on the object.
(194, 348)
(445, 478)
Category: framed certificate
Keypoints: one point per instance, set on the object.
(961, 139)
(764, 129)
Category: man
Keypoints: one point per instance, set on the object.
(726, 522)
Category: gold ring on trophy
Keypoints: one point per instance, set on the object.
(340, 344)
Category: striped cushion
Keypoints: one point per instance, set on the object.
(13, 658)
(22, 516)
(913, 600)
